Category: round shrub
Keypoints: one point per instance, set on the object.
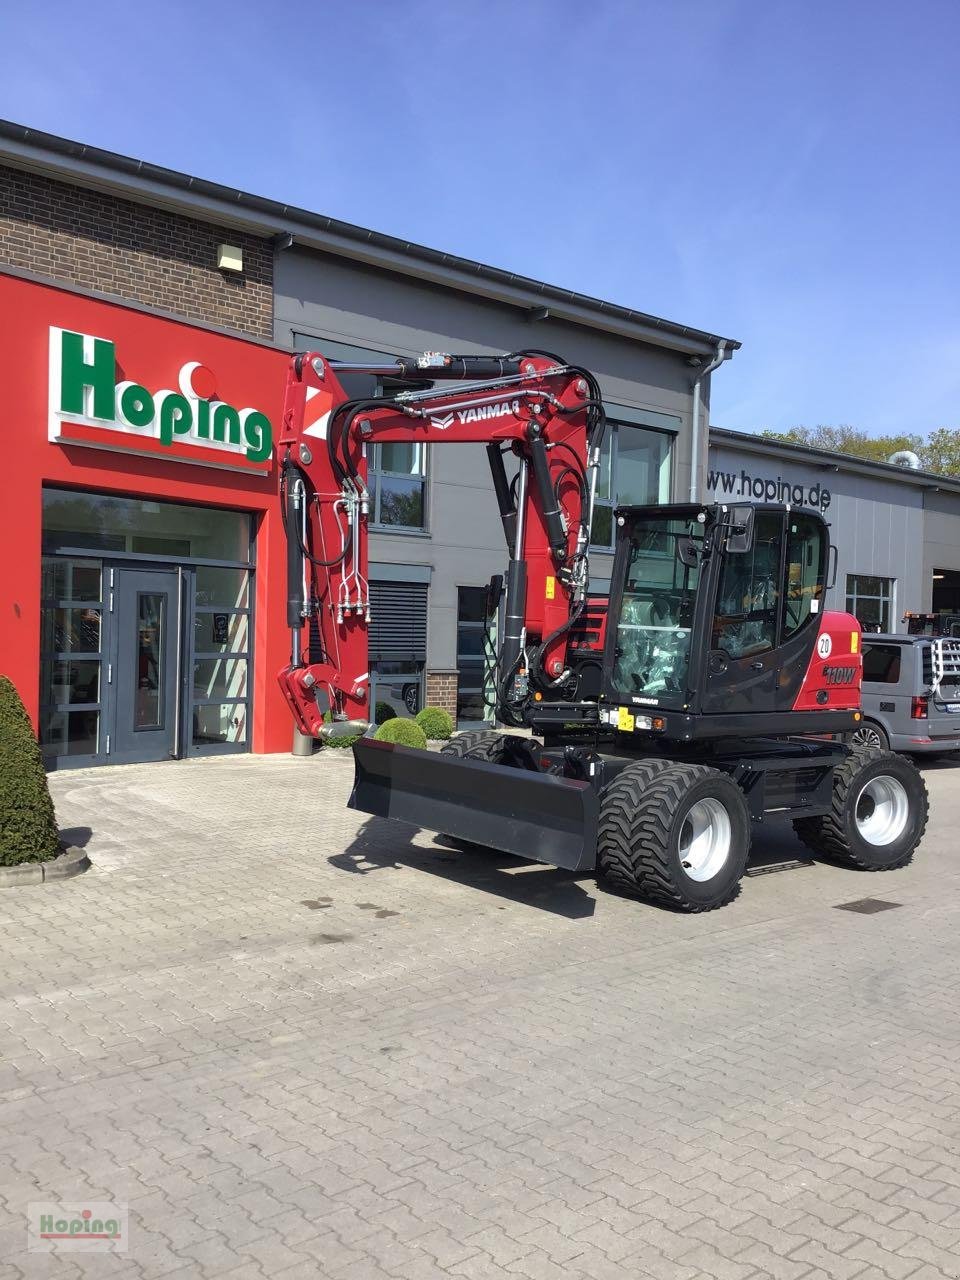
(384, 712)
(347, 741)
(436, 723)
(28, 828)
(404, 732)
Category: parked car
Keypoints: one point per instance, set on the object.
(905, 707)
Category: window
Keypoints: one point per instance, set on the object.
(471, 664)
(634, 469)
(653, 630)
(397, 645)
(881, 663)
(396, 473)
(219, 687)
(107, 522)
(397, 481)
(870, 600)
(806, 555)
(70, 691)
(749, 594)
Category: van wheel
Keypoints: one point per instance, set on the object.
(677, 834)
(869, 734)
(878, 816)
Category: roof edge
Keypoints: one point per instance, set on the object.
(836, 461)
(139, 180)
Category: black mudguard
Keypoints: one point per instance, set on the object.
(533, 815)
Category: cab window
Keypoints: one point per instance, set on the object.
(748, 600)
(806, 560)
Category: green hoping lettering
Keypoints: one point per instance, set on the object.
(226, 424)
(176, 417)
(76, 374)
(258, 435)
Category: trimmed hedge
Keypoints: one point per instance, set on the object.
(436, 723)
(28, 827)
(403, 732)
(383, 713)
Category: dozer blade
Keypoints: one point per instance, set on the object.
(534, 815)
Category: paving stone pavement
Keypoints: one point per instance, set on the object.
(301, 1043)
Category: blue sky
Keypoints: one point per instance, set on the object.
(781, 173)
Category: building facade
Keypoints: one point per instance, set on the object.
(142, 593)
(896, 530)
(201, 292)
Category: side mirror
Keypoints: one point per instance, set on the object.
(740, 537)
(688, 553)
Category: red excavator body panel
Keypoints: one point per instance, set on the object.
(834, 673)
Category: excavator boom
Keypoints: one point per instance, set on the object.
(541, 421)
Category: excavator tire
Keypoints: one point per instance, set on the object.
(675, 834)
(478, 744)
(879, 812)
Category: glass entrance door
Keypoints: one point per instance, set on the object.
(146, 669)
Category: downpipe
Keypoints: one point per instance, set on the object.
(715, 363)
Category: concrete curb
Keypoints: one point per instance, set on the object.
(72, 862)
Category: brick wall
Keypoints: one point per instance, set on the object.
(442, 691)
(108, 245)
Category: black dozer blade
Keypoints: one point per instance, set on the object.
(533, 815)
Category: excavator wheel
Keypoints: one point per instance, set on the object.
(879, 812)
(675, 834)
(478, 744)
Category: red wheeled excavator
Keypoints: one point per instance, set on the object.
(640, 736)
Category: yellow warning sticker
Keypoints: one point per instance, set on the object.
(551, 588)
(854, 641)
(625, 720)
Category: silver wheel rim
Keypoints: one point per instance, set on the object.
(882, 811)
(705, 839)
(866, 737)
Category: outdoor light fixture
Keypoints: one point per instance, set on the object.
(229, 257)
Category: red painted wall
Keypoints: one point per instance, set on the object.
(149, 351)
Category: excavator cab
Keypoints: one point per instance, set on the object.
(715, 616)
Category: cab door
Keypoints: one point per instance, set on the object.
(743, 662)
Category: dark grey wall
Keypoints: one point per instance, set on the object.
(333, 299)
(941, 543)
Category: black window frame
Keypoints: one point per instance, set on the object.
(886, 602)
(610, 503)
